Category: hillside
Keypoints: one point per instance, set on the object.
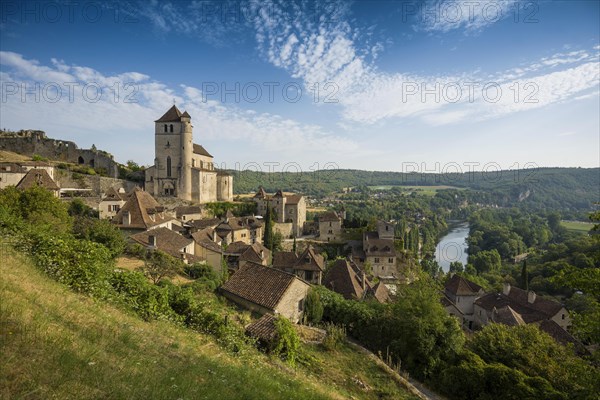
(57, 344)
(542, 188)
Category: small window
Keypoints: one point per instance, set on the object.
(171, 128)
(301, 305)
(391, 260)
(165, 127)
(563, 316)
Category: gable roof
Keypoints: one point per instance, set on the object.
(141, 205)
(459, 286)
(113, 194)
(329, 216)
(204, 223)
(284, 259)
(540, 304)
(198, 149)
(292, 199)
(166, 240)
(342, 279)
(37, 177)
(380, 292)
(492, 301)
(508, 316)
(172, 115)
(260, 285)
(255, 253)
(309, 260)
(183, 210)
(260, 194)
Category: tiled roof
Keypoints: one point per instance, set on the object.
(237, 247)
(558, 333)
(37, 177)
(204, 223)
(540, 304)
(113, 194)
(256, 253)
(380, 292)
(498, 300)
(342, 279)
(329, 216)
(263, 328)
(284, 259)
(140, 206)
(293, 199)
(198, 149)
(459, 286)
(260, 194)
(260, 285)
(508, 316)
(173, 115)
(166, 240)
(183, 210)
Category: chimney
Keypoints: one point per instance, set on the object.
(214, 236)
(152, 240)
(506, 288)
(262, 254)
(531, 297)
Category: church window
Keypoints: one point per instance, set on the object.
(193, 163)
(171, 128)
(169, 166)
(165, 127)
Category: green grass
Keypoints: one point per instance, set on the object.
(425, 190)
(58, 344)
(577, 226)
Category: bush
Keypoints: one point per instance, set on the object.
(336, 335)
(286, 344)
(313, 308)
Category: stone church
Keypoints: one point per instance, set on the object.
(182, 168)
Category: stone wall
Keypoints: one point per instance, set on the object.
(285, 228)
(35, 142)
(98, 184)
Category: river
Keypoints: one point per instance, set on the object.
(453, 246)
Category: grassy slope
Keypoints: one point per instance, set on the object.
(57, 344)
(577, 226)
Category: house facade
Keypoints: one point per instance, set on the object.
(111, 203)
(330, 227)
(287, 210)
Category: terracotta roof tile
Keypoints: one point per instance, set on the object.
(459, 286)
(263, 328)
(37, 177)
(342, 279)
(166, 240)
(141, 206)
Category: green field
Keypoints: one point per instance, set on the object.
(425, 190)
(577, 226)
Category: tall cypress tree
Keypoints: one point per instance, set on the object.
(524, 276)
(268, 236)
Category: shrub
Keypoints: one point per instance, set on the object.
(286, 344)
(313, 308)
(336, 335)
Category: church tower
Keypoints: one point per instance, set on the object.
(173, 152)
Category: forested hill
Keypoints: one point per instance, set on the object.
(552, 188)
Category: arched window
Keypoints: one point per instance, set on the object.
(165, 127)
(171, 128)
(80, 160)
(169, 166)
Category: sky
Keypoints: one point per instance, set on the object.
(431, 86)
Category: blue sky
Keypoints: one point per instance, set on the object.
(402, 85)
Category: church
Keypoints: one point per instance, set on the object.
(183, 169)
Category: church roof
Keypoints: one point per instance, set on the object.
(198, 149)
(185, 114)
(173, 115)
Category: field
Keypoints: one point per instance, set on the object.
(58, 344)
(577, 226)
(425, 190)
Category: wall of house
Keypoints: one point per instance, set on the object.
(212, 258)
(10, 178)
(288, 305)
(105, 208)
(285, 228)
(382, 266)
(224, 188)
(242, 235)
(330, 231)
(207, 187)
(562, 322)
(465, 304)
(246, 304)
(480, 316)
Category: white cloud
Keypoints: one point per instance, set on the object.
(128, 121)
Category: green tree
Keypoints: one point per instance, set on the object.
(456, 266)
(286, 344)
(313, 308)
(100, 231)
(486, 261)
(524, 276)
(159, 265)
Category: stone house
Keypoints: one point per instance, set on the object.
(461, 294)
(265, 290)
(111, 203)
(11, 173)
(346, 278)
(182, 168)
(287, 210)
(330, 227)
(187, 213)
(41, 178)
(168, 241)
(240, 229)
(207, 247)
(309, 265)
(142, 212)
(239, 253)
(380, 254)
